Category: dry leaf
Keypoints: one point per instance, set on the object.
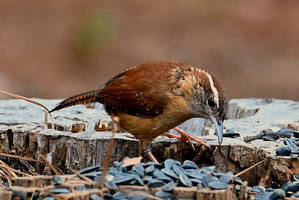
(132, 161)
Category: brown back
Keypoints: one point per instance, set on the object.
(140, 91)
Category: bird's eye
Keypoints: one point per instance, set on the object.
(211, 102)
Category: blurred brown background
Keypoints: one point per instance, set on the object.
(54, 49)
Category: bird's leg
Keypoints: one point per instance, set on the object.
(150, 155)
(143, 145)
(187, 137)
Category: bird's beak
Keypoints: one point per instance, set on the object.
(219, 128)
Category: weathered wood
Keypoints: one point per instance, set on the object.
(295, 164)
(185, 193)
(6, 195)
(243, 195)
(179, 192)
(33, 181)
(78, 195)
(206, 194)
(44, 184)
(81, 137)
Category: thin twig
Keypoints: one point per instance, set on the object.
(108, 154)
(107, 160)
(14, 170)
(50, 165)
(29, 100)
(243, 190)
(81, 176)
(19, 157)
(249, 168)
(46, 120)
(33, 193)
(8, 169)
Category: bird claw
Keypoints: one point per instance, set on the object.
(187, 137)
(191, 144)
(150, 155)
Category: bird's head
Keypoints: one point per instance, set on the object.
(207, 98)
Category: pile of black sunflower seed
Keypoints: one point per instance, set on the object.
(167, 175)
(289, 189)
(172, 173)
(291, 143)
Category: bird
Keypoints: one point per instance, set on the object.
(150, 99)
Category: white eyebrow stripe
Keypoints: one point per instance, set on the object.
(214, 89)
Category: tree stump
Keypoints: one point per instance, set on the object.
(81, 136)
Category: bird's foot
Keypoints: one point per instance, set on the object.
(150, 155)
(187, 138)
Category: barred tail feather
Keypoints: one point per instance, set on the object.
(83, 98)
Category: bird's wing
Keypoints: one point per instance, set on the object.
(140, 91)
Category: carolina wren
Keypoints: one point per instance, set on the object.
(155, 97)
